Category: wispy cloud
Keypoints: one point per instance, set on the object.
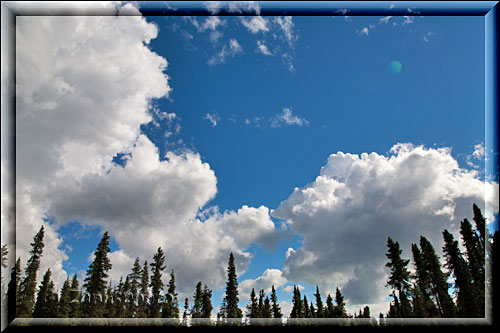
(286, 118)
(213, 118)
(262, 48)
(230, 49)
(254, 24)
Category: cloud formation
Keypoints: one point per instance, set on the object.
(346, 214)
(286, 118)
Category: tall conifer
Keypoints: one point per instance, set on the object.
(156, 283)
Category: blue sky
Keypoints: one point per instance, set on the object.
(265, 101)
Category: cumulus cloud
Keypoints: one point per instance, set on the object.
(346, 214)
(286, 118)
(270, 277)
(73, 120)
(254, 24)
(262, 48)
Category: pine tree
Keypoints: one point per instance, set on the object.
(229, 308)
(400, 276)
(438, 279)
(76, 298)
(275, 308)
(27, 286)
(480, 222)
(142, 309)
(307, 312)
(110, 309)
(64, 308)
(13, 290)
(156, 283)
(319, 305)
(468, 300)
(46, 301)
(95, 282)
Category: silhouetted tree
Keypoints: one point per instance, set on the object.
(156, 283)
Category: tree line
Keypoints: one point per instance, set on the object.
(427, 292)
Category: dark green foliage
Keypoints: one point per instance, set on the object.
(135, 281)
(339, 309)
(319, 305)
(475, 257)
(468, 299)
(95, 282)
(229, 308)
(171, 305)
(65, 300)
(275, 308)
(400, 276)
(76, 298)
(297, 304)
(46, 305)
(13, 290)
(253, 307)
(329, 307)
(206, 304)
(142, 308)
(197, 302)
(424, 306)
(156, 283)
(27, 286)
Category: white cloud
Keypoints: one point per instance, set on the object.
(286, 118)
(262, 48)
(244, 7)
(364, 31)
(254, 24)
(270, 277)
(213, 118)
(346, 214)
(228, 50)
(287, 27)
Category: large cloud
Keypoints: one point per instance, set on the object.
(84, 88)
(347, 213)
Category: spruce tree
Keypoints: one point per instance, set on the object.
(400, 276)
(307, 313)
(252, 307)
(206, 305)
(480, 222)
(95, 282)
(339, 309)
(475, 257)
(197, 302)
(156, 283)
(76, 298)
(135, 281)
(468, 300)
(275, 308)
(46, 301)
(27, 286)
(438, 279)
(65, 300)
(297, 304)
(230, 309)
(319, 305)
(423, 304)
(329, 307)
(171, 305)
(13, 290)
(185, 313)
(142, 308)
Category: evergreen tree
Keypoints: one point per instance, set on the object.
(156, 283)
(171, 306)
(230, 307)
(46, 301)
(319, 305)
(480, 222)
(65, 300)
(27, 286)
(297, 304)
(468, 300)
(197, 302)
(111, 308)
(135, 281)
(95, 282)
(307, 313)
(13, 290)
(186, 313)
(206, 305)
(75, 298)
(339, 309)
(266, 311)
(475, 257)
(5, 252)
(329, 307)
(495, 257)
(142, 308)
(423, 304)
(438, 279)
(400, 276)
(252, 307)
(275, 308)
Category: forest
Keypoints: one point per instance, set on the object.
(456, 285)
